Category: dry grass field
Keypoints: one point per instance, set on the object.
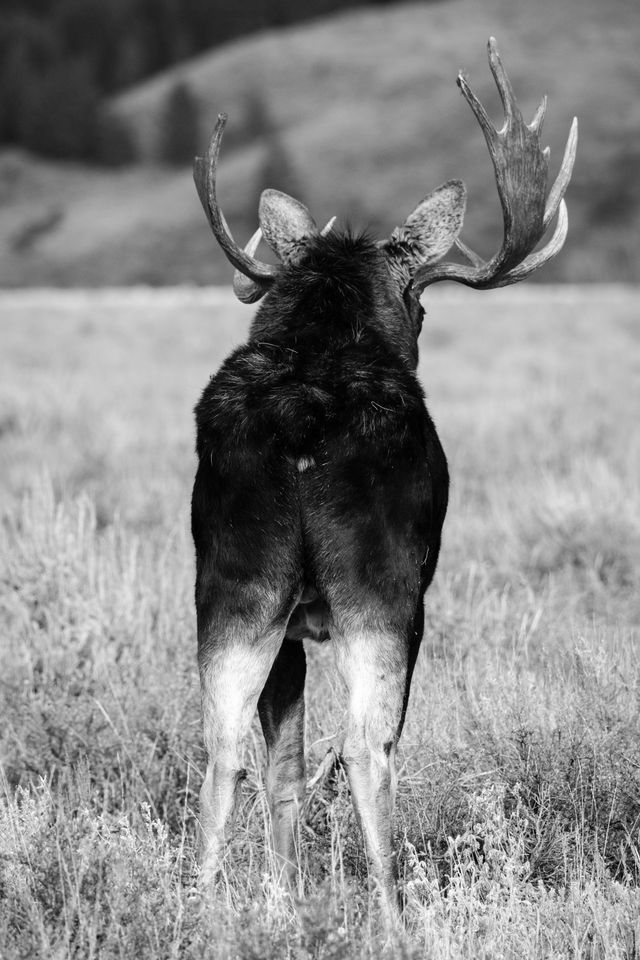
(519, 798)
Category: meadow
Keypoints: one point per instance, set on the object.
(518, 813)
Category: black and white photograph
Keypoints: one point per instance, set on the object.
(319, 480)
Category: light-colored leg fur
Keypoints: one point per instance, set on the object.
(374, 668)
(232, 675)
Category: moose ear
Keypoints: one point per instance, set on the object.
(286, 223)
(433, 227)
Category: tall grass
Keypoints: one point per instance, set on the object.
(518, 815)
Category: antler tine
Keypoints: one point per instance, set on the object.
(564, 176)
(538, 120)
(511, 109)
(481, 114)
(204, 175)
(246, 289)
(521, 169)
(471, 255)
(328, 227)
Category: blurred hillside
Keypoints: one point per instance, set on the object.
(60, 60)
(357, 114)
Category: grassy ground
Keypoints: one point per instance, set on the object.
(519, 799)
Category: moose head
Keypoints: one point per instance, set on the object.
(521, 169)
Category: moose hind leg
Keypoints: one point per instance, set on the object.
(281, 710)
(374, 668)
(232, 674)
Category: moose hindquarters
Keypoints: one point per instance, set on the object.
(373, 510)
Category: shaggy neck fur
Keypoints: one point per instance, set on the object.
(340, 290)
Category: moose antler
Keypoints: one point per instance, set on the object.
(204, 175)
(521, 170)
(246, 289)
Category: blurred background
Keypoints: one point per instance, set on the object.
(351, 107)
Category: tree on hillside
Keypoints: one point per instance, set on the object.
(117, 44)
(60, 113)
(277, 169)
(179, 126)
(114, 145)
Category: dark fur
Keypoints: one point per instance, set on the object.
(328, 373)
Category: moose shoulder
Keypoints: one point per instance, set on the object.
(322, 487)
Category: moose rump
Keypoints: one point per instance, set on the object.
(317, 511)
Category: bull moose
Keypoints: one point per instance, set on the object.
(322, 487)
